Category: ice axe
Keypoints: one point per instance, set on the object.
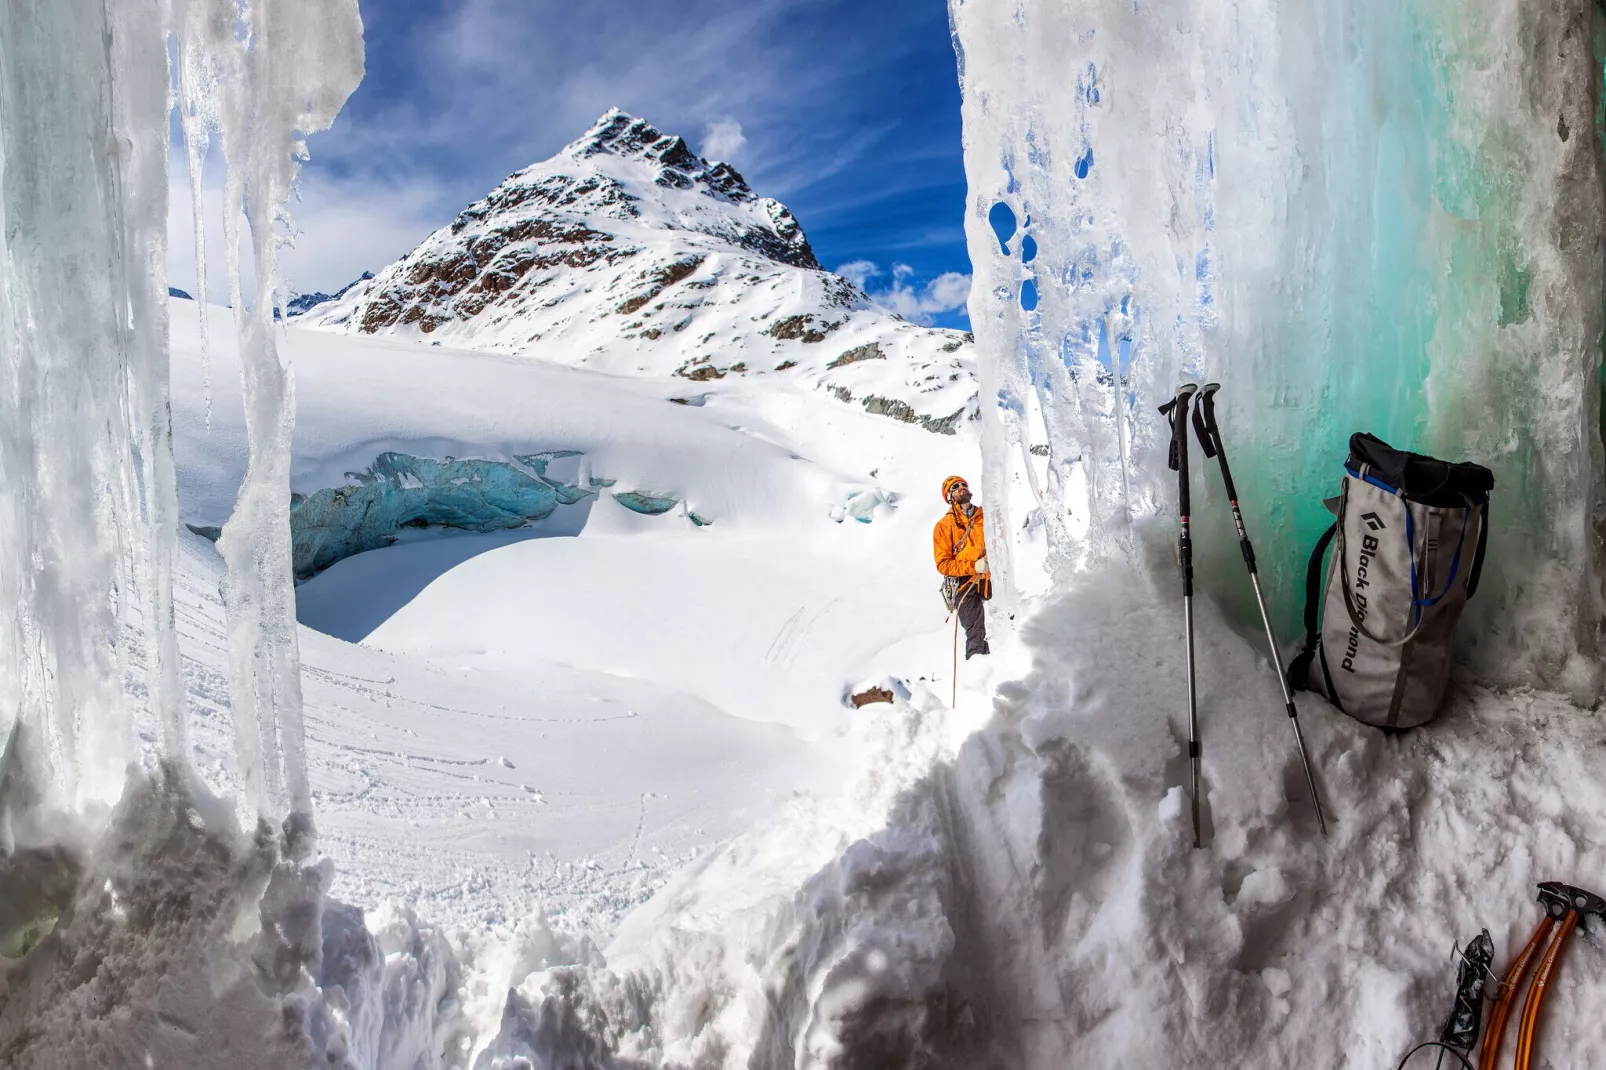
(1564, 907)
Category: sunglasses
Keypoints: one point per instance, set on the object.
(957, 487)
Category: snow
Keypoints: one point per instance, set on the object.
(625, 253)
(589, 792)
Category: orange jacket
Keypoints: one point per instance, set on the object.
(955, 552)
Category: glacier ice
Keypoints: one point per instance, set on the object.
(87, 504)
(200, 931)
(401, 489)
(1362, 215)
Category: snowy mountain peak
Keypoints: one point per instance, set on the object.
(620, 134)
(628, 253)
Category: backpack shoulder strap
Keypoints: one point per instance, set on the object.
(1299, 668)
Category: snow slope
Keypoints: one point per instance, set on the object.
(1011, 886)
(546, 777)
(627, 253)
(566, 711)
(1032, 897)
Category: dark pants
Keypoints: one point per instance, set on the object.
(973, 616)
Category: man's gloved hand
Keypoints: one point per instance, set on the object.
(981, 565)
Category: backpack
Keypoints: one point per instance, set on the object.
(1408, 546)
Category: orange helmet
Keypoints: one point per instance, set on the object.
(949, 484)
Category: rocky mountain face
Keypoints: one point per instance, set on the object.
(628, 253)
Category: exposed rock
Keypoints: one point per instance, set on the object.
(868, 351)
(899, 410)
(798, 328)
(871, 695)
(659, 281)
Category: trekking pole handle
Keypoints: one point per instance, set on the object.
(1209, 432)
(1177, 411)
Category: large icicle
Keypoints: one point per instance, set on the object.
(86, 477)
(1362, 215)
(286, 76)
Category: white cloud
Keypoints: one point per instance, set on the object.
(947, 292)
(859, 272)
(723, 140)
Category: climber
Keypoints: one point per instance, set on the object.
(960, 546)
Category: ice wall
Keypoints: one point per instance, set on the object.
(87, 506)
(200, 933)
(1359, 215)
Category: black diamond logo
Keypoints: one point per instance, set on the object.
(1373, 521)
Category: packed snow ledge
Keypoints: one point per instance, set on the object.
(1035, 899)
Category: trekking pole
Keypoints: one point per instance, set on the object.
(1204, 423)
(1177, 410)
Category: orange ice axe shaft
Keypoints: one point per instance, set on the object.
(1564, 907)
(1508, 995)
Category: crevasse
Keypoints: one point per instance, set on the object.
(1361, 216)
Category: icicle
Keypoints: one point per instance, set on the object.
(198, 84)
(86, 487)
(286, 75)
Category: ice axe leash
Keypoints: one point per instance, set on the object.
(1210, 444)
(1177, 411)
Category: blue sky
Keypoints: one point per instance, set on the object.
(846, 110)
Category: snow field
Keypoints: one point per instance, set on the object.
(1035, 900)
(1013, 885)
(566, 712)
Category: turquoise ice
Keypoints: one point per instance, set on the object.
(1376, 216)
